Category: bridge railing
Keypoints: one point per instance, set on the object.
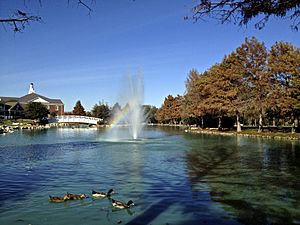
(74, 119)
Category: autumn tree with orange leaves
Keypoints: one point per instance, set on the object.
(250, 84)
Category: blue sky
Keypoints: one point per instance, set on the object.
(74, 56)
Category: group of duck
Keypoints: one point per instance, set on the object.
(95, 194)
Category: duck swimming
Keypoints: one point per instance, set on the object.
(121, 205)
(58, 199)
(97, 194)
(70, 196)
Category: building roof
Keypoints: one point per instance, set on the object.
(33, 96)
(30, 98)
(17, 106)
(8, 99)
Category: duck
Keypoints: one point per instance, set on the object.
(121, 205)
(97, 194)
(70, 196)
(58, 199)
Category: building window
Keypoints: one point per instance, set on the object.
(57, 108)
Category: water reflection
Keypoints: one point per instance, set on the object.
(24, 169)
(173, 178)
(256, 181)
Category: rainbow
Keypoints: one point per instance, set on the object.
(121, 115)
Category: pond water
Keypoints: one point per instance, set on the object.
(172, 177)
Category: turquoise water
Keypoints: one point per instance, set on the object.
(172, 177)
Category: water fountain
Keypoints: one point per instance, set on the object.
(132, 114)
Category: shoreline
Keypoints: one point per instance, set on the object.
(266, 135)
(187, 129)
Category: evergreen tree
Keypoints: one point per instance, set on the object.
(78, 109)
(149, 113)
(116, 109)
(101, 111)
(36, 110)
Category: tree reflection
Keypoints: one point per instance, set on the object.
(254, 180)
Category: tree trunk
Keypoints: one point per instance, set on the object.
(260, 123)
(293, 126)
(202, 122)
(294, 123)
(238, 124)
(220, 123)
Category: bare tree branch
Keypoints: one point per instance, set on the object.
(243, 11)
(80, 2)
(19, 20)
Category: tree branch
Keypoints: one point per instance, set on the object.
(19, 20)
(80, 2)
(242, 11)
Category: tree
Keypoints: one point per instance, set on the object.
(163, 114)
(116, 109)
(241, 12)
(101, 111)
(237, 89)
(215, 101)
(53, 114)
(20, 19)
(88, 114)
(36, 110)
(250, 83)
(194, 105)
(149, 113)
(284, 65)
(217, 92)
(252, 56)
(78, 109)
(192, 95)
(227, 89)
(170, 111)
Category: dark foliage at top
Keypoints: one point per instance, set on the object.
(241, 12)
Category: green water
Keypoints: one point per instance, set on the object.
(172, 177)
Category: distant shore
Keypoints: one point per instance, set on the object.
(8, 128)
(229, 132)
(246, 133)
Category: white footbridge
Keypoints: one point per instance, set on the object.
(75, 119)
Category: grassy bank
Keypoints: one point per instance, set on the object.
(248, 133)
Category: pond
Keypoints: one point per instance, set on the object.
(172, 178)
